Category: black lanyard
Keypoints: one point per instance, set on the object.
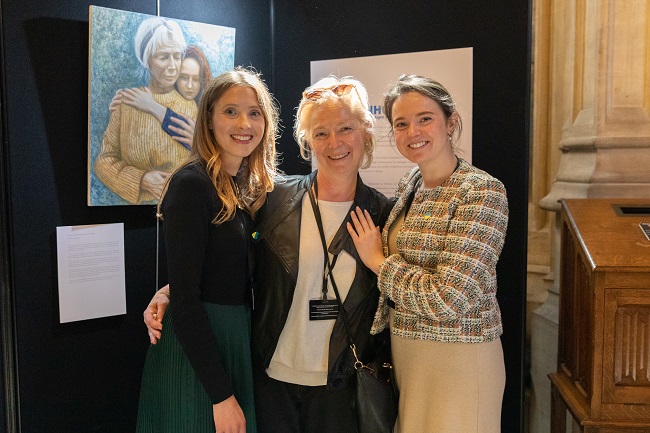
(330, 266)
(327, 266)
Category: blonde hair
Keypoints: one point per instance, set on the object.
(255, 176)
(355, 98)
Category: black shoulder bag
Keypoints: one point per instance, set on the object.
(376, 395)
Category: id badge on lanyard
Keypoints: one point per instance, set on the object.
(323, 308)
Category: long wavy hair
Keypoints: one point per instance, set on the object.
(255, 177)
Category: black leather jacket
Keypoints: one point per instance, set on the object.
(276, 242)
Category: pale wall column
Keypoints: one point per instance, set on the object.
(592, 77)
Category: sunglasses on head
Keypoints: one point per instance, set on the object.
(338, 90)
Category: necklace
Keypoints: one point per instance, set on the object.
(237, 192)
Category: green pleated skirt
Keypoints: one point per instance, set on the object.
(172, 399)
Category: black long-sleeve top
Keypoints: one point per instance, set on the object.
(206, 263)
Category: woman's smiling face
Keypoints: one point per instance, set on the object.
(421, 128)
(336, 138)
(238, 125)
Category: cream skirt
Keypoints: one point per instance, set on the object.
(448, 387)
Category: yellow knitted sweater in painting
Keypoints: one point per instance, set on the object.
(135, 143)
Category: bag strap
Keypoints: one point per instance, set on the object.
(319, 222)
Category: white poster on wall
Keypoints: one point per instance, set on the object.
(90, 262)
(452, 68)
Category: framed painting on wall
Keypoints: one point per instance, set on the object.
(146, 76)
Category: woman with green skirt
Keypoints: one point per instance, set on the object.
(199, 377)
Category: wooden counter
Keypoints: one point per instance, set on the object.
(603, 374)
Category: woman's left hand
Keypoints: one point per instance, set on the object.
(155, 312)
(367, 239)
(153, 181)
(228, 416)
(185, 129)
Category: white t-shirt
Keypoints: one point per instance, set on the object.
(302, 351)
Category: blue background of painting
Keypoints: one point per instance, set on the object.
(113, 65)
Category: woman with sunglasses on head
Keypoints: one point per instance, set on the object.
(436, 266)
(304, 374)
(305, 369)
(199, 378)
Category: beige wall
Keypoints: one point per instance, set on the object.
(591, 112)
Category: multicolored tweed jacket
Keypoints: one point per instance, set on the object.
(443, 281)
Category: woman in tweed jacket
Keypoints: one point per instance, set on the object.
(436, 266)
